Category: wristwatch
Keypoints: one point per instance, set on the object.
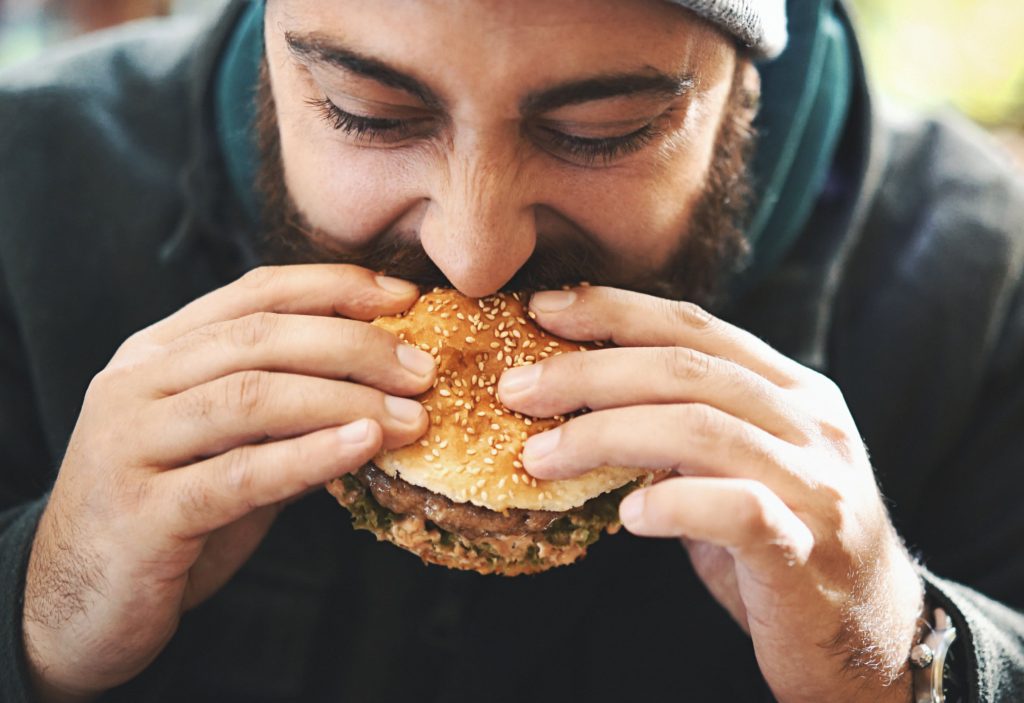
(928, 659)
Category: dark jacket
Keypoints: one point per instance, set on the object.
(905, 288)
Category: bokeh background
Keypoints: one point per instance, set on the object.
(931, 54)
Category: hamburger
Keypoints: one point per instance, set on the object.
(460, 497)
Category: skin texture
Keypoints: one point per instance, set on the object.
(168, 485)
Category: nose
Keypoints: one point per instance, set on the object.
(479, 227)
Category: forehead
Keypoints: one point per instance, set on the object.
(496, 40)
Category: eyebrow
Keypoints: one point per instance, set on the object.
(652, 83)
(313, 47)
(648, 82)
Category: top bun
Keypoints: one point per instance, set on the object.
(471, 452)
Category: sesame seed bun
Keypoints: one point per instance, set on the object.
(471, 453)
(469, 462)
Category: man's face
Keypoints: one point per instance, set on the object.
(577, 138)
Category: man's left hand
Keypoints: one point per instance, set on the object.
(772, 492)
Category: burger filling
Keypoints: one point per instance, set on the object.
(391, 506)
(466, 519)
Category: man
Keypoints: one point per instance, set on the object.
(168, 421)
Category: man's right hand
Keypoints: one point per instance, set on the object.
(187, 445)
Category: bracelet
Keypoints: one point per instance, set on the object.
(928, 659)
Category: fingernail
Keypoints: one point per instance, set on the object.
(396, 286)
(404, 410)
(552, 300)
(519, 379)
(355, 432)
(539, 446)
(631, 509)
(415, 360)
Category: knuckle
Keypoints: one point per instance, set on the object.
(260, 277)
(247, 392)
(196, 405)
(359, 335)
(705, 423)
(253, 330)
(239, 471)
(686, 365)
(831, 508)
(754, 511)
(194, 502)
(691, 315)
(130, 492)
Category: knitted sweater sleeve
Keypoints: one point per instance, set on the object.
(25, 471)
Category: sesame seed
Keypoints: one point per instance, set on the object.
(444, 392)
(495, 426)
(488, 460)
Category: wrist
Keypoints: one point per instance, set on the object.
(43, 685)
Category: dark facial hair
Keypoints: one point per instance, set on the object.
(710, 251)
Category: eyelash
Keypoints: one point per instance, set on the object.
(357, 125)
(590, 151)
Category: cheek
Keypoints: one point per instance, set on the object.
(352, 194)
(642, 212)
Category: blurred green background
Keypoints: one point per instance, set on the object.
(925, 53)
(965, 53)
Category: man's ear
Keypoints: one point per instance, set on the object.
(750, 79)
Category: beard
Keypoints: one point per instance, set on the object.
(708, 254)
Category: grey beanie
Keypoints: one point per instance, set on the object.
(758, 24)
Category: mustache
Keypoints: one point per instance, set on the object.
(553, 263)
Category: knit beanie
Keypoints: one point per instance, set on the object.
(760, 25)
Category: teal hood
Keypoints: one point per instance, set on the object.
(806, 95)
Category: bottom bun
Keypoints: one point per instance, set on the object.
(564, 541)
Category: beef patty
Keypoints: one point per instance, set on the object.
(465, 519)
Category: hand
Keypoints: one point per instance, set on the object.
(187, 445)
(773, 494)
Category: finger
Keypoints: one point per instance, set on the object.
(743, 516)
(308, 289)
(299, 344)
(692, 439)
(612, 378)
(253, 406)
(636, 320)
(206, 496)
